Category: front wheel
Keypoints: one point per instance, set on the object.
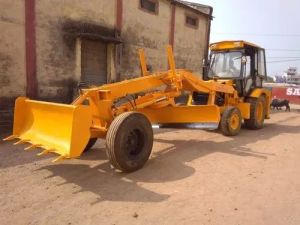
(129, 141)
(231, 121)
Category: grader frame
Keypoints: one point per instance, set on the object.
(100, 112)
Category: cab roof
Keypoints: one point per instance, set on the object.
(227, 45)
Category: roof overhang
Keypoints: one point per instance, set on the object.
(195, 7)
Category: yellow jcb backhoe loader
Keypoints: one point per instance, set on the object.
(124, 112)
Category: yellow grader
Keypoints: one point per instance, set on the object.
(124, 112)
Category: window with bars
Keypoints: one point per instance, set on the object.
(150, 6)
(191, 21)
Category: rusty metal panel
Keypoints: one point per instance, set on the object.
(93, 62)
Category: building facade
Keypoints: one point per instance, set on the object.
(292, 76)
(48, 46)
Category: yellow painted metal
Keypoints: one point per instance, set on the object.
(123, 88)
(64, 129)
(59, 158)
(21, 142)
(171, 60)
(143, 62)
(11, 137)
(190, 100)
(32, 147)
(259, 111)
(230, 45)
(45, 152)
(234, 121)
(193, 83)
(183, 114)
(244, 108)
(258, 92)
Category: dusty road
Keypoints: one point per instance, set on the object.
(193, 177)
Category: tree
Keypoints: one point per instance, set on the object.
(270, 79)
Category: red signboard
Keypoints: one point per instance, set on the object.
(290, 93)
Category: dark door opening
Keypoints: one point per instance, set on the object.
(93, 62)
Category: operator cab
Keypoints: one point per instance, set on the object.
(242, 62)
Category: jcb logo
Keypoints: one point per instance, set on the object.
(293, 91)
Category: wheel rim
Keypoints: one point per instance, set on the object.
(259, 111)
(234, 121)
(134, 143)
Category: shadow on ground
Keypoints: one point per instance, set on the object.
(165, 166)
(14, 155)
(18, 157)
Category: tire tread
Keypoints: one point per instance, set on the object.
(111, 137)
(224, 121)
(252, 122)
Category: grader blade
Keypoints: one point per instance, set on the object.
(59, 128)
(208, 114)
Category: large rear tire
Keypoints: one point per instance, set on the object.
(231, 121)
(129, 141)
(257, 113)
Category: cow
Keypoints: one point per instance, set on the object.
(278, 103)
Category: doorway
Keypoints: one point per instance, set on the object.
(93, 62)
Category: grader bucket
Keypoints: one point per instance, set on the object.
(59, 128)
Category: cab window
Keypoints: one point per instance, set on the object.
(225, 65)
(261, 69)
(248, 67)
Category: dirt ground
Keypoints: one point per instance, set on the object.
(193, 177)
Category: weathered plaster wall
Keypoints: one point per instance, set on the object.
(56, 41)
(190, 43)
(12, 55)
(144, 30)
(152, 32)
(58, 24)
(58, 21)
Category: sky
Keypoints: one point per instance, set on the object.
(272, 24)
